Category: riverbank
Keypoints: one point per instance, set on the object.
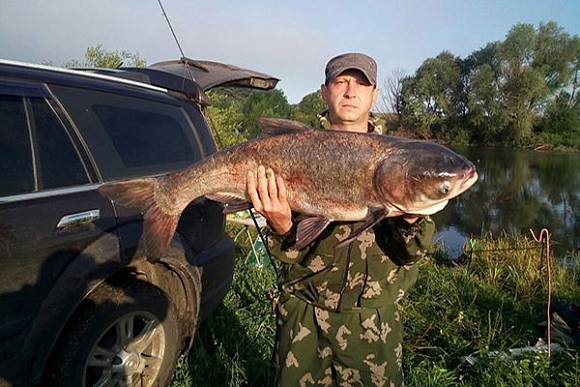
(494, 301)
(563, 143)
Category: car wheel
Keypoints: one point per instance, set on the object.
(122, 335)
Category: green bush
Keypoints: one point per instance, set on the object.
(560, 140)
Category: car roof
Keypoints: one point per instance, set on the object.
(76, 72)
(193, 77)
(158, 78)
(186, 76)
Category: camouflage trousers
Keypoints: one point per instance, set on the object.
(319, 347)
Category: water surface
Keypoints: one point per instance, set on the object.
(517, 190)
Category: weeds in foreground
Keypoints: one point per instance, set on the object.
(234, 346)
(492, 301)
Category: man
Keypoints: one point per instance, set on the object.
(337, 317)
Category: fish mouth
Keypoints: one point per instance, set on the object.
(469, 179)
(424, 209)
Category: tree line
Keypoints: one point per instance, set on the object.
(519, 92)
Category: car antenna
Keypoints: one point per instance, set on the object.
(171, 28)
(184, 62)
(183, 57)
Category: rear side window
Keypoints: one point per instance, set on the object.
(36, 151)
(15, 151)
(130, 136)
(135, 131)
(59, 165)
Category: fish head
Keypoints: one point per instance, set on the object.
(422, 177)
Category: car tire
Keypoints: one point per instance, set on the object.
(124, 334)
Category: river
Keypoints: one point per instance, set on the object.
(517, 190)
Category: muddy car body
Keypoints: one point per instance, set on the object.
(79, 302)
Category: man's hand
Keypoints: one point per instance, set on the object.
(268, 195)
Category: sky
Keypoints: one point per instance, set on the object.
(291, 40)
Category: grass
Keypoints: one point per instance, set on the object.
(492, 301)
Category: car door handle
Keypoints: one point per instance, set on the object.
(78, 218)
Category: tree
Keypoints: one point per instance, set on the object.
(561, 117)
(234, 112)
(575, 65)
(554, 55)
(392, 98)
(535, 66)
(272, 103)
(429, 95)
(225, 119)
(97, 56)
(486, 113)
(522, 85)
(308, 108)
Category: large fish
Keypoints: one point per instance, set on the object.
(330, 176)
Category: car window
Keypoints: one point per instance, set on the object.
(59, 164)
(15, 153)
(36, 152)
(133, 130)
(130, 136)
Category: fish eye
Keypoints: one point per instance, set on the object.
(444, 188)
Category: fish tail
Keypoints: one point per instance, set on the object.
(158, 228)
(158, 225)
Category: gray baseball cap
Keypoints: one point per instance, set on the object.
(361, 62)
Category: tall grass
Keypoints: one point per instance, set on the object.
(234, 346)
(492, 301)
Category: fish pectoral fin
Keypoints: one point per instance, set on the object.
(230, 202)
(375, 215)
(308, 229)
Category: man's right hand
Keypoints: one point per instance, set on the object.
(268, 195)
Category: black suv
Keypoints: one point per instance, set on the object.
(80, 305)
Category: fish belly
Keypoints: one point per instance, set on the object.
(331, 210)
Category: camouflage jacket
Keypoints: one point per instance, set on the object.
(376, 125)
(376, 269)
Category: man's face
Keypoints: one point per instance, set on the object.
(349, 98)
